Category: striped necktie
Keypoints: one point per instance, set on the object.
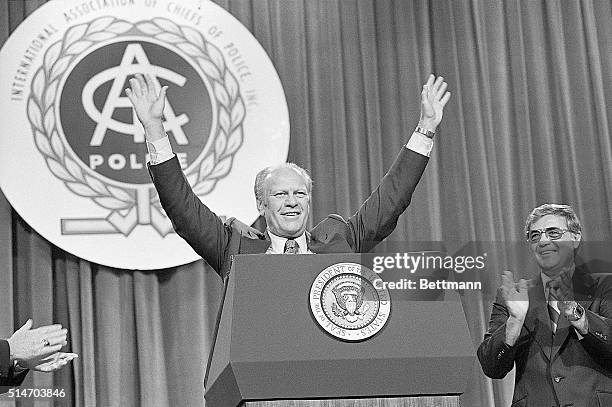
(552, 305)
(291, 247)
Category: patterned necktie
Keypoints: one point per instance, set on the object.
(552, 310)
(291, 247)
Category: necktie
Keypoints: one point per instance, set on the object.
(291, 247)
(552, 309)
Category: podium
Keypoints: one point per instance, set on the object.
(270, 351)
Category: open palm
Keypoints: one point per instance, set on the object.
(433, 99)
(147, 100)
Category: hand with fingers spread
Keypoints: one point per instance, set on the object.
(433, 99)
(29, 347)
(244, 229)
(148, 100)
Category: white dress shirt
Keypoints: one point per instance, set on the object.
(277, 245)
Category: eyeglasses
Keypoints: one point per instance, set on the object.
(553, 233)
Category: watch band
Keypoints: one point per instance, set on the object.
(577, 313)
(425, 132)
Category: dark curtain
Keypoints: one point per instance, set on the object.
(528, 123)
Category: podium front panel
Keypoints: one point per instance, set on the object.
(275, 349)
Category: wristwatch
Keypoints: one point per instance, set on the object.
(577, 313)
(425, 132)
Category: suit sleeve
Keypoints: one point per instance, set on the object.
(495, 355)
(598, 341)
(8, 377)
(378, 215)
(192, 220)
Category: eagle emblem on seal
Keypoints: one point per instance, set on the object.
(349, 302)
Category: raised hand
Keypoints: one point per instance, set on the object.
(433, 99)
(148, 101)
(515, 295)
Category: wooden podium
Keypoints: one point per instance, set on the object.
(269, 351)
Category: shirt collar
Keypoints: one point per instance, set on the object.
(277, 245)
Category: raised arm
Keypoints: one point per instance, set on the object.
(378, 215)
(192, 220)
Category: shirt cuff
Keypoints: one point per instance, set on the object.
(160, 151)
(17, 368)
(586, 327)
(420, 143)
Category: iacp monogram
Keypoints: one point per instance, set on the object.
(98, 120)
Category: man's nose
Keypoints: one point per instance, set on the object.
(544, 239)
(291, 200)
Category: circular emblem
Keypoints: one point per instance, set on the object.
(346, 304)
(114, 144)
(73, 156)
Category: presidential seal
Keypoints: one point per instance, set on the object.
(73, 156)
(345, 303)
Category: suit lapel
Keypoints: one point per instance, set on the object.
(254, 246)
(584, 286)
(537, 319)
(335, 244)
(559, 338)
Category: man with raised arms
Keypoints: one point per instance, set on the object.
(283, 192)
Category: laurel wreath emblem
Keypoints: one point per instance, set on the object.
(210, 168)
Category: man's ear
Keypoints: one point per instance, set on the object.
(260, 207)
(577, 239)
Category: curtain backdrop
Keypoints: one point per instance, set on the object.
(528, 123)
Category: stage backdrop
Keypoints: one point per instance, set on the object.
(528, 123)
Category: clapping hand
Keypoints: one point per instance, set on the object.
(53, 362)
(30, 345)
(515, 295)
(38, 348)
(561, 290)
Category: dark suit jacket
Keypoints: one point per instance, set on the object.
(216, 242)
(8, 377)
(558, 370)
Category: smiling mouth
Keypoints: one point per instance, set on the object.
(291, 214)
(546, 252)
